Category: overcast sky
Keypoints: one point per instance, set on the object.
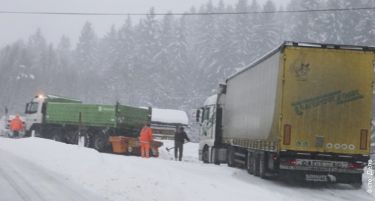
(15, 26)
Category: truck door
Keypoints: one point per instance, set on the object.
(327, 100)
(208, 122)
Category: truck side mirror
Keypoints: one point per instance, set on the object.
(27, 107)
(197, 115)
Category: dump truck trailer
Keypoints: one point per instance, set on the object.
(65, 119)
(301, 111)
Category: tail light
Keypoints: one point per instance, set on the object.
(292, 162)
(287, 134)
(363, 139)
(355, 165)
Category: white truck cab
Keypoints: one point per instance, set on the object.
(210, 134)
(207, 120)
(33, 111)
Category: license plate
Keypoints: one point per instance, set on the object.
(322, 163)
(314, 177)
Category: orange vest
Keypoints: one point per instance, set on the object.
(16, 124)
(146, 134)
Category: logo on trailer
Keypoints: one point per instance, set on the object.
(301, 71)
(337, 97)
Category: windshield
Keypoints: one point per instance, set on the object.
(31, 108)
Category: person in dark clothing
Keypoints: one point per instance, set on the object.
(179, 139)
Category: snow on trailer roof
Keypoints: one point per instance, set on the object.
(301, 44)
(169, 116)
(55, 97)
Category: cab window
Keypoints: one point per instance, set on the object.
(32, 108)
(206, 114)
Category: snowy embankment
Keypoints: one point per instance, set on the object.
(117, 177)
(2, 125)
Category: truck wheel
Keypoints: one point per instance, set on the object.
(73, 137)
(357, 185)
(250, 163)
(230, 157)
(213, 157)
(100, 142)
(262, 165)
(356, 181)
(57, 137)
(57, 134)
(256, 165)
(37, 130)
(205, 155)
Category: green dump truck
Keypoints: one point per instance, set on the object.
(301, 111)
(65, 119)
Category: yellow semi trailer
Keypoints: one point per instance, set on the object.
(303, 110)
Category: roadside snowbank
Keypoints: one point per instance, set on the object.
(3, 122)
(117, 177)
(2, 125)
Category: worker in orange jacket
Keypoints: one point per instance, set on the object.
(16, 125)
(145, 137)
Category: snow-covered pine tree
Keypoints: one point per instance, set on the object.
(86, 63)
(123, 75)
(109, 58)
(148, 47)
(268, 31)
(306, 26)
(16, 77)
(65, 76)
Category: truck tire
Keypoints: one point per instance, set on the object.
(250, 163)
(262, 165)
(56, 134)
(100, 142)
(37, 129)
(72, 137)
(57, 137)
(356, 181)
(213, 157)
(230, 157)
(357, 185)
(205, 155)
(256, 162)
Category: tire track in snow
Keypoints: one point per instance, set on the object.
(33, 183)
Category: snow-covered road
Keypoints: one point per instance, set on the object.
(21, 180)
(129, 178)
